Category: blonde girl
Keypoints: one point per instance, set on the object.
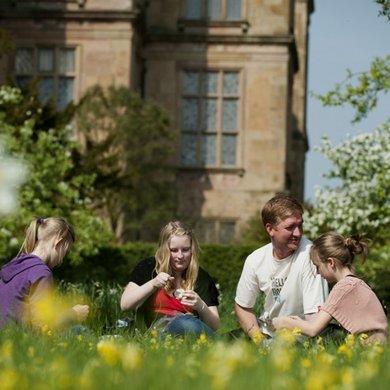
(28, 277)
(170, 289)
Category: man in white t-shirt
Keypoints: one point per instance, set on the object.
(281, 270)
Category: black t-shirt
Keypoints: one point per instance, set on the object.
(145, 271)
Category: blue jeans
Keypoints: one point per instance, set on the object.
(184, 324)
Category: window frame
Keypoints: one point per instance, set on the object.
(200, 132)
(56, 73)
(204, 14)
(216, 225)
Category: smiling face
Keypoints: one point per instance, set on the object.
(286, 236)
(181, 254)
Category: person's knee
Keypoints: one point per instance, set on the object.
(183, 325)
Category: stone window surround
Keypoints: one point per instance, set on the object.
(216, 225)
(218, 166)
(55, 73)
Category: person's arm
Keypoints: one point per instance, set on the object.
(310, 316)
(43, 300)
(209, 315)
(247, 319)
(135, 295)
(310, 328)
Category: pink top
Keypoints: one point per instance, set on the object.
(355, 306)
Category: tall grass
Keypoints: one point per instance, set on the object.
(107, 356)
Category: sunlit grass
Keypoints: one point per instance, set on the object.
(108, 357)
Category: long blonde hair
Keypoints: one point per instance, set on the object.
(44, 229)
(163, 254)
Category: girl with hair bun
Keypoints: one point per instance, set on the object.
(351, 301)
(27, 279)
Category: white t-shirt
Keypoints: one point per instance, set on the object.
(291, 286)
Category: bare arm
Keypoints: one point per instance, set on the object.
(208, 314)
(247, 319)
(135, 295)
(311, 328)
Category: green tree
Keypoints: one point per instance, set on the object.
(51, 186)
(360, 202)
(385, 8)
(127, 142)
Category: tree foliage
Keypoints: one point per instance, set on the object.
(128, 144)
(361, 90)
(385, 8)
(51, 188)
(360, 200)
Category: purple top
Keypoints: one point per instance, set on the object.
(21, 280)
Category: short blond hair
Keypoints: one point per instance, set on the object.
(279, 208)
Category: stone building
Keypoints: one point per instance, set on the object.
(231, 74)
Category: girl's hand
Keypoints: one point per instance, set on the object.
(191, 298)
(81, 311)
(281, 322)
(161, 280)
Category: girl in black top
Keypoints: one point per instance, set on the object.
(171, 289)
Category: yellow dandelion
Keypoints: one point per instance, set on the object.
(305, 363)
(9, 379)
(347, 377)
(202, 339)
(109, 351)
(6, 349)
(170, 361)
(287, 336)
(297, 331)
(258, 337)
(131, 357)
(321, 379)
(350, 340)
(345, 350)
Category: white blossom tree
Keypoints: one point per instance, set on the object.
(360, 202)
(12, 170)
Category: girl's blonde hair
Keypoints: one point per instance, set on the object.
(44, 229)
(342, 249)
(163, 254)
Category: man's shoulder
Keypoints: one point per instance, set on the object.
(260, 253)
(305, 245)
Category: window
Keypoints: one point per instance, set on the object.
(209, 118)
(53, 67)
(222, 232)
(213, 9)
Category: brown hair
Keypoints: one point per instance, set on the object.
(280, 207)
(163, 253)
(44, 229)
(342, 249)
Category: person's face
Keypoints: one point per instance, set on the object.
(58, 253)
(180, 249)
(324, 269)
(287, 234)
